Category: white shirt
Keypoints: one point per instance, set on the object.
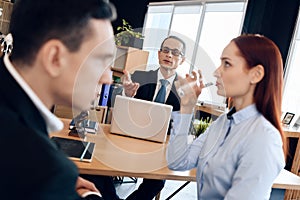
(241, 166)
(52, 122)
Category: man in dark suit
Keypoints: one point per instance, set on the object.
(147, 81)
(56, 59)
(146, 85)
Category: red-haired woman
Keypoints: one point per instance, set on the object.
(243, 151)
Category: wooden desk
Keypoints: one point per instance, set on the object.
(287, 180)
(123, 156)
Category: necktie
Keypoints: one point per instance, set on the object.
(161, 95)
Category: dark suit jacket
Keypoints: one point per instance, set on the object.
(148, 81)
(31, 166)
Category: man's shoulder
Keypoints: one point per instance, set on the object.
(142, 72)
(8, 118)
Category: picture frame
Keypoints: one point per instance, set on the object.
(297, 124)
(287, 119)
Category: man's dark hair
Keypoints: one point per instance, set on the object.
(176, 38)
(34, 22)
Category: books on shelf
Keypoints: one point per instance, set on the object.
(104, 95)
(75, 149)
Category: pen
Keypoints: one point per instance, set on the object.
(181, 92)
(208, 84)
(85, 150)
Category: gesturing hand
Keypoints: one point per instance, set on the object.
(130, 87)
(189, 88)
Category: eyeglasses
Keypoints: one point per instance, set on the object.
(175, 52)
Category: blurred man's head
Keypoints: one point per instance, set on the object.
(67, 42)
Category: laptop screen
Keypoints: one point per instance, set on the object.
(140, 119)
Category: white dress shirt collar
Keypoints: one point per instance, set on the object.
(52, 122)
(160, 76)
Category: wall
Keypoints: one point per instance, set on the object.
(132, 11)
(273, 18)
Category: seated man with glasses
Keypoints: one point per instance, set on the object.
(146, 85)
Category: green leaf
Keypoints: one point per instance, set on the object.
(126, 34)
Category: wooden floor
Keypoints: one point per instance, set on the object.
(187, 193)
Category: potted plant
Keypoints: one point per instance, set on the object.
(127, 36)
(129, 53)
(201, 125)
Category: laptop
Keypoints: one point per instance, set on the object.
(140, 119)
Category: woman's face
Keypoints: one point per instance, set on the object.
(233, 76)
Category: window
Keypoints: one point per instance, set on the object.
(185, 24)
(221, 23)
(291, 94)
(205, 26)
(156, 28)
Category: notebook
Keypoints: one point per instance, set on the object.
(140, 119)
(75, 149)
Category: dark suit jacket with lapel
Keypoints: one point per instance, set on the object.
(32, 167)
(148, 81)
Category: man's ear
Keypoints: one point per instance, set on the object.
(53, 57)
(182, 60)
(257, 74)
(158, 53)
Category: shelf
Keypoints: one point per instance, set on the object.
(117, 72)
(130, 59)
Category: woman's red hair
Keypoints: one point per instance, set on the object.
(259, 50)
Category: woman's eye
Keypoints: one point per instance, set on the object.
(226, 64)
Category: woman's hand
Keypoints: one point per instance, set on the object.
(189, 88)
